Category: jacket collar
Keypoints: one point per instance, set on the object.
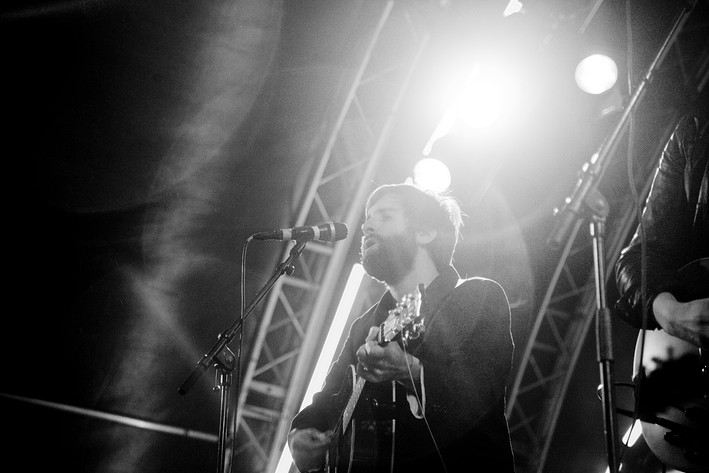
(439, 288)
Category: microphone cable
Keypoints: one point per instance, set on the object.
(423, 408)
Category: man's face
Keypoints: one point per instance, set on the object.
(388, 245)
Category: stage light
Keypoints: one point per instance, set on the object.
(596, 74)
(481, 103)
(442, 129)
(514, 6)
(633, 434)
(430, 173)
(327, 353)
(475, 102)
(620, 468)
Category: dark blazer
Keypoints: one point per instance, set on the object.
(466, 353)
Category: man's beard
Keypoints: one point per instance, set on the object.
(392, 259)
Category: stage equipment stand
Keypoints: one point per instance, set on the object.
(604, 335)
(224, 360)
(587, 200)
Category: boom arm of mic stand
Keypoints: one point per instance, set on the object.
(573, 208)
(225, 337)
(593, 171)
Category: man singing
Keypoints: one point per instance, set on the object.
(440, 396)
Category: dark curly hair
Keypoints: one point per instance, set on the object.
(427, 210)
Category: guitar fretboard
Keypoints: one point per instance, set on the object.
(398, 319)
(349, 408)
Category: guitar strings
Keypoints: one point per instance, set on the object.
(423, 410)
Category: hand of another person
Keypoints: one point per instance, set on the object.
(387, 362)
(686, 320)
(308, 448)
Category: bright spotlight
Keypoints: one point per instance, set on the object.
(475, 102)
(514, 6)
(596, 74)
(481, 103)
(430, 173)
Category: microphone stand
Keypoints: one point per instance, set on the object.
(604, 338)
(222, 358)
(592, 171)
(587, 199)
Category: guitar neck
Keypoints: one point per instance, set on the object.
(352, 402)
(398, 320)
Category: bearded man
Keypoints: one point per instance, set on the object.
(433, 398)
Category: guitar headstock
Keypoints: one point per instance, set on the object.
(404, 320)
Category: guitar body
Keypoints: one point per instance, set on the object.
(674, 396)
(366, 443)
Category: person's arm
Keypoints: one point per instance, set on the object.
(311, 428)
(686, 320)
(666, 221)
(467, 358)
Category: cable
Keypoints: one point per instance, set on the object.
(242, 308)
(641, 231)
(423, 410)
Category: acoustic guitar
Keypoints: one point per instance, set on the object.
(674, 392)
(365, 442)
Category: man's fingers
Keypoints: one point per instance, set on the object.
(322, 438)
(317, 439)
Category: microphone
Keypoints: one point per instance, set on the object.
(329, 231)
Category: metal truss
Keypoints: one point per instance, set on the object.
(568, 306)
(561, 326)
(297, 312)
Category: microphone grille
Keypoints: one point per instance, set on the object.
(341, 231)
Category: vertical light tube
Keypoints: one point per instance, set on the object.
(631, 436)
(327, 354)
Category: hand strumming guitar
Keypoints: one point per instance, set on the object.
(386, 362)
(688, 321)
(308, 448)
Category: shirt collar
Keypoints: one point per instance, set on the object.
(439, 288)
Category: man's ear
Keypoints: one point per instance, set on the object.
(424, 237)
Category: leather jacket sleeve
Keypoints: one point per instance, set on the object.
(667, 225)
